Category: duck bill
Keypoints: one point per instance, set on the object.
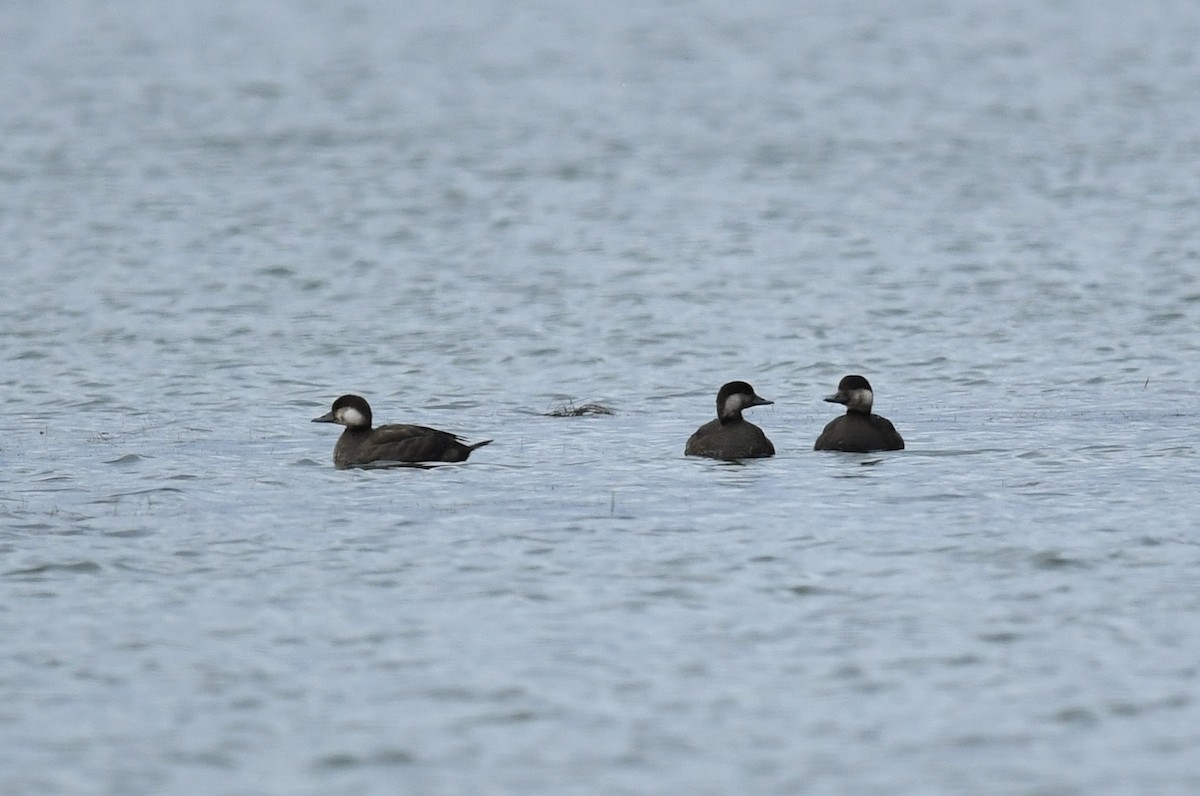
(837, 398)
(325, 418)
(757, 401)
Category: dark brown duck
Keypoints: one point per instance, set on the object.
(360, 444)
(730, 436)
(858, 431)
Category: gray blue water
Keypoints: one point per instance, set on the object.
(217, 217)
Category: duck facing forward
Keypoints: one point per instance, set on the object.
(730, 436)
(858, 431)
(362, 445)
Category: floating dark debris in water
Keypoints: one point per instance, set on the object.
(571, 410)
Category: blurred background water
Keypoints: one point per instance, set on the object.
(217, 217)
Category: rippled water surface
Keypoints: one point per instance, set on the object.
(217, 217)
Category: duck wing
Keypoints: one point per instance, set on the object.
(407, 443)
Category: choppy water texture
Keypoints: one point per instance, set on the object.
(217, 217)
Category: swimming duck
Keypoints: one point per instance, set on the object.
(858, 431)
(730, 436)
(360, 444)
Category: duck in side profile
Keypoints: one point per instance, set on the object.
(858, 431)
(729, 436)
(362, 445)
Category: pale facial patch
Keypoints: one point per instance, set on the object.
(861, 400)
(349, 416)
(734, 403)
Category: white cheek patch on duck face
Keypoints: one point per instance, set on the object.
(861, 400)
(733, 404)
(349, 416)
